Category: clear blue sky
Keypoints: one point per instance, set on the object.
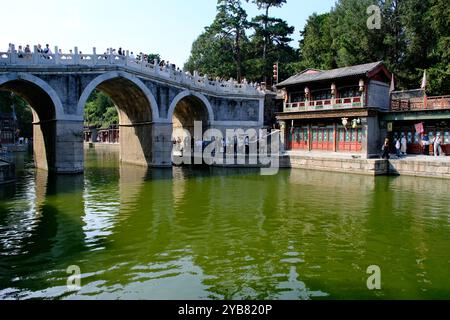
(167, 27)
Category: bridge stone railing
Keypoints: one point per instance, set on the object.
(152, 69)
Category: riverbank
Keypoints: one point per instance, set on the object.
(413, 165)
(102, 146)
(418, 166)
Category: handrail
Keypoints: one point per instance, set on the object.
(421, 104)
(153, 69)
(328, 104)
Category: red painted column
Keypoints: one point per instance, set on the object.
(335, 138)
(309, 138)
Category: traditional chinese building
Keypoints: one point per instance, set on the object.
(103, 135)
(336, 110)
(419, 118)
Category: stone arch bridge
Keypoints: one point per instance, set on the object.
(151, 101)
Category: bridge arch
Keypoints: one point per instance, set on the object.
(138, 111)
(132, 85)
(198, 96)
(47, 110)
(20, 83)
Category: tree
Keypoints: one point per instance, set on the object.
(270, 43)
(22, 109)
(231, 21)
(353, 42)
(264, 20)
(271, 39)
(212, 54)
(438, 18)
(316, 43)
(100, 111)
(219, 50)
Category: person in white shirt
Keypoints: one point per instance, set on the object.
(404, 143)
(437, 145)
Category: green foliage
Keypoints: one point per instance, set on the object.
(100, 111)
(414, 37)
(315, 44)
(151, 57)
(224, 49)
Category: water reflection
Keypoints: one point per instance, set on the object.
(222, 234)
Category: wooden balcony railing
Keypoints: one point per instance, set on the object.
(329, 104)
(420, 104)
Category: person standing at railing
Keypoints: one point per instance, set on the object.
(20, 52)
(27, 52)
(47, 51)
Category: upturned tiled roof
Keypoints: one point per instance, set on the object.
(320, 75)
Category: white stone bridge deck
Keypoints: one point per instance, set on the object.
(94, 60)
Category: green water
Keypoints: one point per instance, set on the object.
(222, 234)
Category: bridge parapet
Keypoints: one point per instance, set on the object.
(126, 61)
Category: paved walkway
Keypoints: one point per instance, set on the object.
(324, 154)
(348, 155)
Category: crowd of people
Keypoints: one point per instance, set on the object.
(25, 52)
(401, 146)
(237, 144)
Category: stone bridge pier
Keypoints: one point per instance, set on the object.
(151, 102)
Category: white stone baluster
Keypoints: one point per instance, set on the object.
(156, 66)
(35, 55)
(94, 56)
(13, 55)
(127, 57)
(57, 56)
(111, 56)
(76, 56)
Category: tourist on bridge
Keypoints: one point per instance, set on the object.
(20, 52)
(47, 50)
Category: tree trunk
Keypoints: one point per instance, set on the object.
(266, 40)
(238, 56)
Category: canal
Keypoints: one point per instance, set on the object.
(138, 233)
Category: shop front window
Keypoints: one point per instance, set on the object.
(297, 97)
(410, 137)
(417, 138)
(447, 138)
(349, 92)
(321, 95)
